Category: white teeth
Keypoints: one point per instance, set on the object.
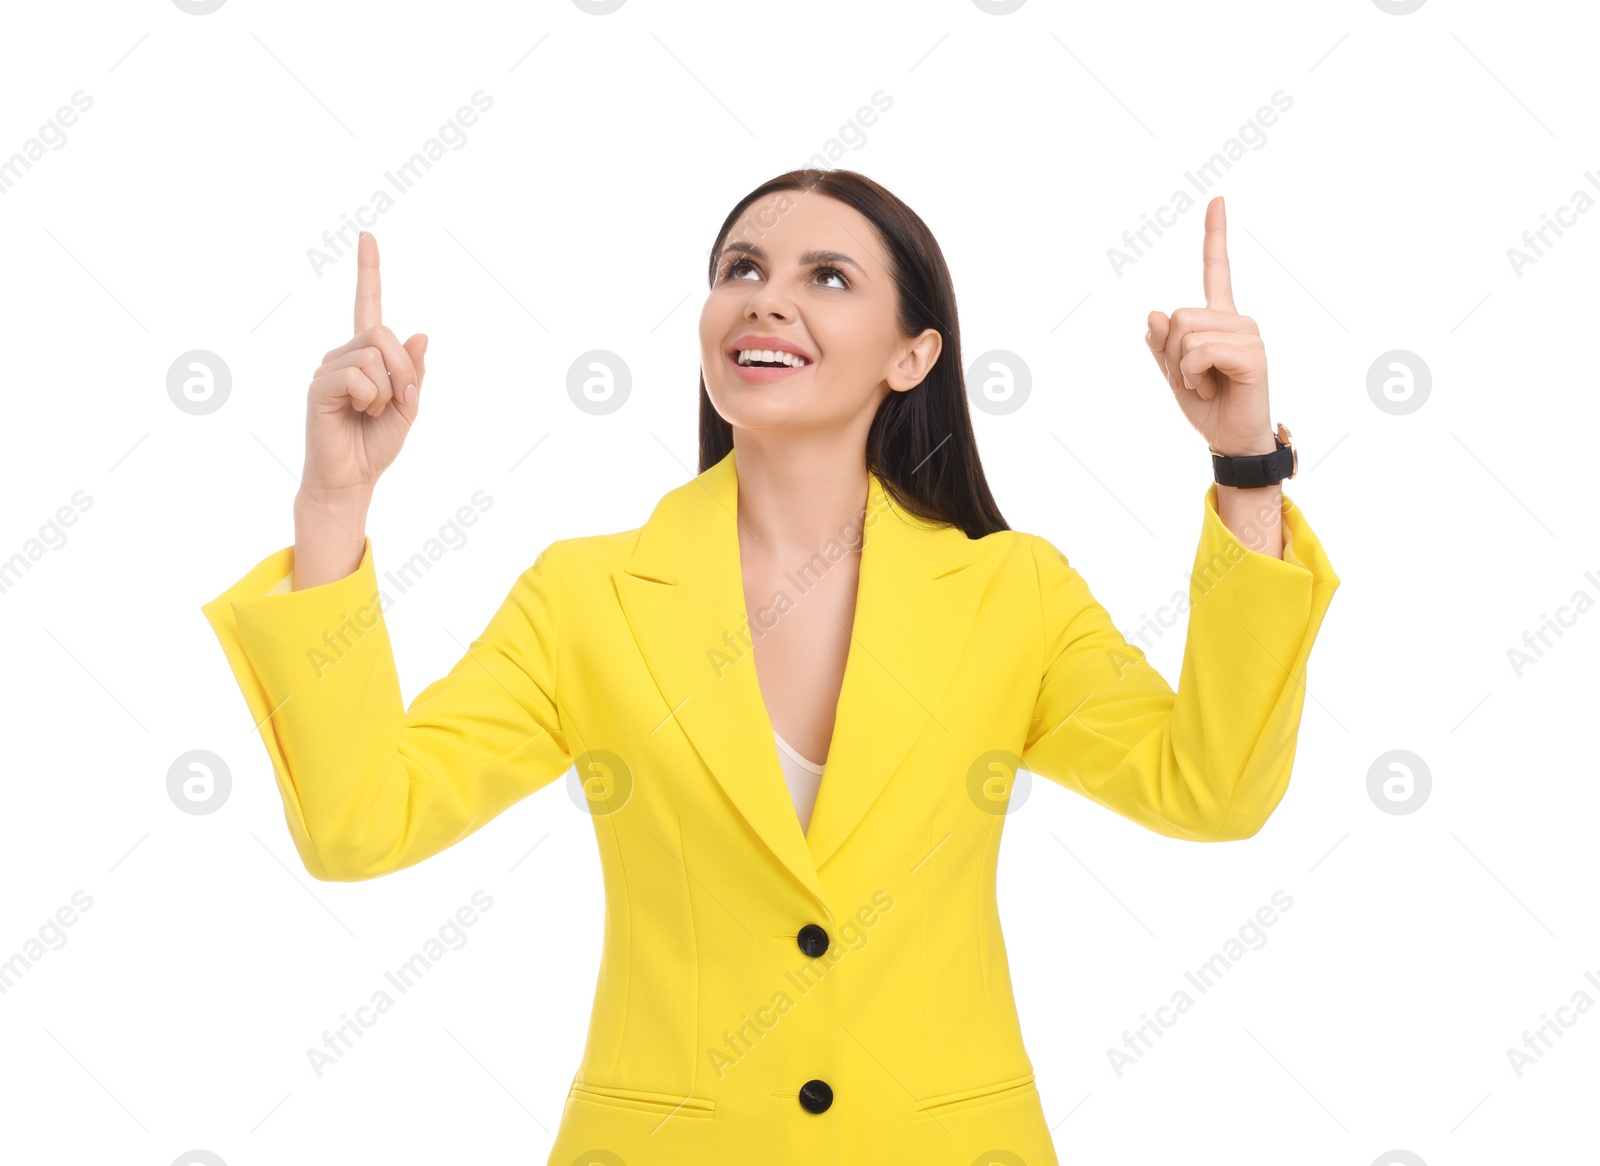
(746, 355)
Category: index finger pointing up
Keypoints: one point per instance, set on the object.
(369, 309)
(1218, 280)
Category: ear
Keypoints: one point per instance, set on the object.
(915, 361)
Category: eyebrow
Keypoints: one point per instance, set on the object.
(809, 257)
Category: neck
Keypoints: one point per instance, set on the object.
(796, 497)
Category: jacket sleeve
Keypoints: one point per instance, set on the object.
(368, 785)
(1211, 761)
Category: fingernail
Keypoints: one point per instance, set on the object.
(411, 394)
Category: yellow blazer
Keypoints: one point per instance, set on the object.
(766, 995)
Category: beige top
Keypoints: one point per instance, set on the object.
(804, 778)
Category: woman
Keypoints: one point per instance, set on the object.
(786, 981)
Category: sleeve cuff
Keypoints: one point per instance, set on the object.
(1303, 554)
(277, 640)
(1253, 620)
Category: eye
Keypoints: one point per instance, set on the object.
(835, 272)
(734, 265)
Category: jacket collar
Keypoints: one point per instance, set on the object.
(682, 593)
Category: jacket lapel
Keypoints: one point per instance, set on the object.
(682, 593)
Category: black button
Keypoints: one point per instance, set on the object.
(815, 1096)
(812, 940)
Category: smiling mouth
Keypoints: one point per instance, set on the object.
(750, 358)
(762, 366)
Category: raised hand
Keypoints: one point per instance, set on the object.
(1213, 358)
(363, 398)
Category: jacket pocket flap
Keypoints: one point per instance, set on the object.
(644, 1099)
(998, 1091)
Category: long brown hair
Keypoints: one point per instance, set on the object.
(920, 442)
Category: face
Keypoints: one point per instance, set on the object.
(806, 274)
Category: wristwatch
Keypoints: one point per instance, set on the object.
(1261, 469)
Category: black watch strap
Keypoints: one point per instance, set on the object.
(1261, 469)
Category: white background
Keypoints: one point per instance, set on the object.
(1377, 216)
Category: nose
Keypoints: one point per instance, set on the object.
(766, 301)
